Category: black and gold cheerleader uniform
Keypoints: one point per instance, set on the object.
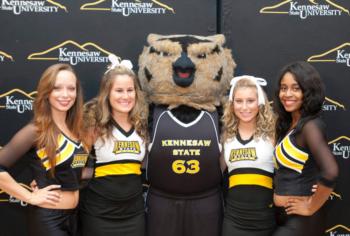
(112, 203)
(302, 160)
(70, 159)
(183, 169)
(249, 200)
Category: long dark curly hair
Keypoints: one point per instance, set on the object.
(313, 90)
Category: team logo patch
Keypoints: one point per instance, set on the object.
(79, 160)
(243, 154)
(126, 147)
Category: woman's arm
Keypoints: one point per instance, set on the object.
(314, 138)
(223, 165)
(39, 197)
(12, 152)
(88, 170)
(308, 206)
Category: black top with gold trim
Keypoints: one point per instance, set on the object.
(297, 170)
(184, 157)
(70, 159)
(303, 159)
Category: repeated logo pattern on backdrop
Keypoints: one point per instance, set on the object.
(306, 8)
(340, 147)
(4, 57)
(338, 230)
(18, 7)
(17, 100)
(129, 7)
(339, 54)
(332, 105)
(73, 53)
(335, 196)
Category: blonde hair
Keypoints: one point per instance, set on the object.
(101, 115)
(47, 130)
(265, 119)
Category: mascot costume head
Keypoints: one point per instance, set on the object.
(186, 70)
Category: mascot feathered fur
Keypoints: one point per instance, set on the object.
(185, 78)
(186, 70)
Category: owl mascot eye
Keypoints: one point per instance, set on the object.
(185, 78)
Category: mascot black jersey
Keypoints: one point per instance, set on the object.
(184, 158)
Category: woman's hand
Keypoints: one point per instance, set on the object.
(45, 196)
(34, 186)
(297, 206)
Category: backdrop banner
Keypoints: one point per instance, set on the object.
(263, 35)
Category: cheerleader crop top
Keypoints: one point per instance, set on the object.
(70, 159)
(249, 162)
(302, 160)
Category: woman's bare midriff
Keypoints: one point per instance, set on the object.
(68, 200)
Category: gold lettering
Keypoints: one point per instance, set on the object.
(243, 154)
(186, 152)
(186, 143)
(126, 147)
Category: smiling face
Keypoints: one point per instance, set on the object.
(245, 104)
(122, 95)
(64, 93)
(290, 94)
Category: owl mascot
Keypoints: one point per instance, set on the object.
(185, 78)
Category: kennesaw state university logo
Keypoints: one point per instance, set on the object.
(129, 7)
(4, 57)
(338, 230)
(73, 53)
(334, 196)
(340, 147)
(18, 7)
(332, 105)
(306, 8)
(17, 100)
(340, 55)
(4, 197)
